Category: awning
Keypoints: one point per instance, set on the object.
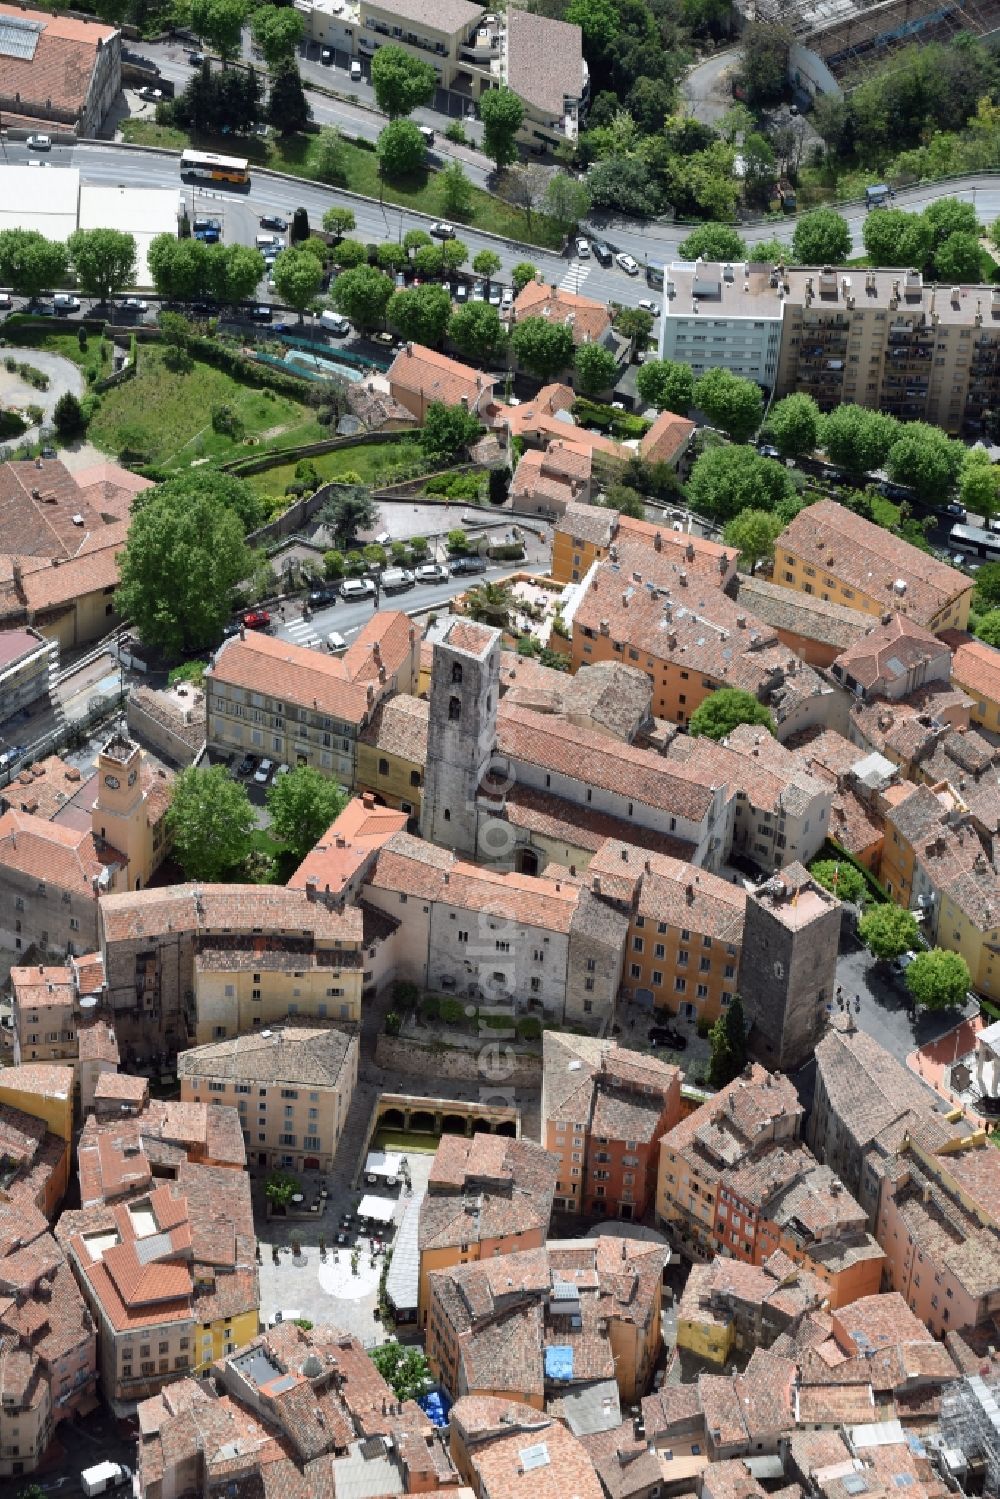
(376, 1209)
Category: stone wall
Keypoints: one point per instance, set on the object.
(409, 1056)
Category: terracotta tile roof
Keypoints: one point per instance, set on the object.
(43, 509)
(434, 377)
(592, 758)
(464, 635)
(386, 640)
(667, 438)
(975, 666)
(556, 1467)
(752, 761)
(290, 673)
(58, 76)
(93, 570)
(352, 839)
(575, 826)
(608, 695)
(674, 892)
(872, 560)
(39, 988)
(802, 614)
(539, 479)
(43, 787)
(867, 1088)
(47, 1079)
(399, 727)
(593, 1083)
(593, 523)
(724, 1128)
(888, 652)
(544, 62)
(268, 909)
(547, 417)
(589, 320)
(489, 1187)
(66, 857)
(312, 1056)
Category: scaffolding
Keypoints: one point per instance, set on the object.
(970, 1425)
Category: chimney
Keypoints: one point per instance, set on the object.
(377, 653)
(689, 894)
(312, 888)
(341, 841)
(741, 621)
(658, 542)
(367, 800)
(409, 349)
(464, 403)
(682, 578)
(597, 884)
(689, 551)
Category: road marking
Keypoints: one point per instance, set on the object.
(303, 634)
(574, 277)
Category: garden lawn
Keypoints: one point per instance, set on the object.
(423, 192)
(24, 332)
(374, 464)
(173, 411)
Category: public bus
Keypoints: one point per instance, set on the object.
(205, 166)
(976, 542)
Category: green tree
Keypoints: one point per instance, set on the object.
(771, 252)
(233, 272)
(392, 257)
(730, 402)
(401, 82)
(362, 295)
(348, 512)
(401, 149)
(339, 221)
(454, 254)
(403, 1368)
(298, 278)
(277, 32)
(446, 431)
(486, 264)
(477, 332)
(794, 425)
(753, 534)
(987, 594)
(856, 439)
(348, 253)
(666, 384)
(456, 190)
(724, 710)
(421, 315)
(728, 1040)
(329, 161)
(179, 267)
(219, 23)
(888, 930)
(948, 216)
(103, 261)
(599, 20)
(764, 61)
(67, 417)
(30, 263)
(428, 261)
(182, 560)
(892, 237)
(199, 484)
(490, 604)
(522, 273)
(636, 323)
(979, 485)
(938, 980)
(566, 200)
(542, 347)
(958, 258)
(501, 112)
(416, 239)
(596, 368)
(287, 106)
(924, 458)
(821, 237)
(713, 242)
(726, 481)
(988, 627)
(211, 820)
(840, 878)
(302, 806)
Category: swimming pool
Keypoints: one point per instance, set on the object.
(328, 366)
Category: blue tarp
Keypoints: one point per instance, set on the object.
(435, 1407)
(559, 1362)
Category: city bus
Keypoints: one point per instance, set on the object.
(205, 166)
(976, 542)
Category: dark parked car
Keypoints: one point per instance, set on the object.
(273, 221)
(196, 59)
(467, 565)
(261, 313)
(319, 598)
(665, 1035)
(602, 253)
(247, 765)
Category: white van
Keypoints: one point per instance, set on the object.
(336, 643)
(334, 323)
(356, 73)
(269, 242)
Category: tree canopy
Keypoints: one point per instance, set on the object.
(184, 555)
(730, 402)
(713, 242)
(339, 221)
(596, 368)
(103, 260)
(926, 459)
(753, 534)
(979, 485)
(404, 1368)
(348, 511)
(446, 430)
(939, 979)
(30, 263)
(401, 82)
(726, 481)
(219, 23)
(501, 112)
(362, 295)
(839, 877)
(821, 237)
(298, 278)
(856, 439)
(211, 820)
(724, 710)
(476, 331)
(302, 805)
(666, 384)
(421, 315)
(288, 109)
(888, 931)
(728, 1040)
(542, 347)
(793, 425)
(401, 149)
(277, 31)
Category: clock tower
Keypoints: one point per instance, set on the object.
(119, 813)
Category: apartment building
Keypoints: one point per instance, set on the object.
(471, 50)
(291, 1086)
(59, 1015)
(502, 1447)
(542, 944)
(546, 482)
(28, 663)
(604, 1111)
(586, 534)
(166, 1266)
(745, 1118)
(691, 639)
(492, 1322)
(722, 316)
(488, 1195)
(299, 707)
(728, 1304)
(831, 551)
(893, 660)
(63, 72)
(212, 961)
(685, 932)
(888, 340)
(48, 1345)
(975, 668)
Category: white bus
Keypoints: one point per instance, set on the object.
(205, 166)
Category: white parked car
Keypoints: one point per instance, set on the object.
(356, 72)
(432, 572)
(628, 263)
(653, 308)
(64, 302)
(583, 248)
(39, 143)
(441, 230)
(263, 772)
(357, 588)
(134, 304)
(336, 642)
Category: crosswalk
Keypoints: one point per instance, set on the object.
(574, 277)
(301, 632)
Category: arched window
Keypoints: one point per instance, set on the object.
(456, 672)
(455, 707)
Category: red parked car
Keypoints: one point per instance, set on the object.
(257, 619)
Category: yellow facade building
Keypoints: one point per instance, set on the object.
(392, 753)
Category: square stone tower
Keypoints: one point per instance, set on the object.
(788, 967)
(461, 733)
